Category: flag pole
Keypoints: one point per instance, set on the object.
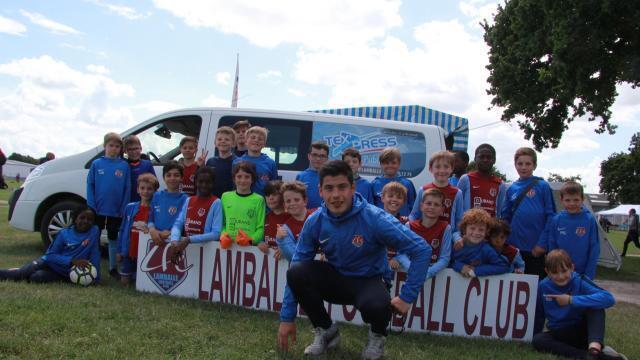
(234, 96)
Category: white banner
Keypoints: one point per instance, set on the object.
(501, 306)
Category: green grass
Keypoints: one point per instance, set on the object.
(6, 193)
(630, 269)
(112, 321)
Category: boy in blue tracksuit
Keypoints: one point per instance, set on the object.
(390, 159)
(77, 245)
(225, 141)
(318, 155)
(354, 236)
(137, 165)
(352, 157)
(476, 257)
(575, 230)
(266, 168)
(574, 307)
(166, 204)
(136, 216)
(108, 191)
(528, 207)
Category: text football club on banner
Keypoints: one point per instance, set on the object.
(501, 306)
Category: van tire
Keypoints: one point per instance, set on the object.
(55, 219)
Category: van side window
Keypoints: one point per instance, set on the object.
(288, 141)
(161, 141)
(370, 141)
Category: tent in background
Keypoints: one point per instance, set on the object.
(619, 215)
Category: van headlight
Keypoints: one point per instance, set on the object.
(34, 174)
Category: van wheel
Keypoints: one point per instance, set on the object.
(55, 219)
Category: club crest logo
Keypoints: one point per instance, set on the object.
(118, 173)
(357, 240)
(172, 210)
(201, 212)
(447, 203)
(435, 243)
(251, 213)
(264, 177)
(163, 273)
(531, 193)
(192, 178)
(493, 192)
(580, 231)
(85, 242)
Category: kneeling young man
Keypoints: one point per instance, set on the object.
(354, 237)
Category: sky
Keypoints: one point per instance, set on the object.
(71, 71)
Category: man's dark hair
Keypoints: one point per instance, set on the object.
(319, 145)
(172, 165)
(336, 168)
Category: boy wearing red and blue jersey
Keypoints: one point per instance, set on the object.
(575, 230)
(481, 189)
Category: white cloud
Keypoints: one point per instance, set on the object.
(98, 69)
(478, 11)
(296, 92)
(10, 26)
(58, 108)
(589, 174)
(270, 74)
(223, 77)
(51, 25)
(83, 49)
(214, 101)
(121, 10)
(269, 23)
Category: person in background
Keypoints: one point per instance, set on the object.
(240, 128)
(318, 155)
(632, 235)
(352, 157)
(221, 163)
(390, 160)
(48, 157)
(138, 166)
(460, 165)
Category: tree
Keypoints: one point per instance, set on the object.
(552, 61)
(494, 170)
(620, 174)
(24, 158)
(553, 177)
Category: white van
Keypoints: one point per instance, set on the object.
(44, 201)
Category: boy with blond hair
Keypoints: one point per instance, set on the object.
(441, 167)
(394, 196)
(353, 158)
(240, 128)
(574, 230)
(222, 163)
(528, 207)
(476, 257)
(138, 166)
(266, 168)
(136, 216)
(108, 191)
(390, 159)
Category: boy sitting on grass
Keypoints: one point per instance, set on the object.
(574, 309)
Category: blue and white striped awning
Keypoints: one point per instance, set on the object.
(451, 124)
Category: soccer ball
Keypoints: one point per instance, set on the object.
(83, 276)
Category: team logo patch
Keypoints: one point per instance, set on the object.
(493, 192)
(251, 213)
(201, 212)
(357, 240)
(118, 173)
(163, 273)
(477, 202)
(531, 193)
(172, 210)
(85, 242)
(435, 243)
(447, 203)
(192, 178)
(580, 231)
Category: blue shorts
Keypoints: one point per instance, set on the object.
(128, 267)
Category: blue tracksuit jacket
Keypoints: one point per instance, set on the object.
(363, 186)
(310, 178)
(356, 245)
(484, 259)
(108, 186)
(578, 235)
(136, 169)
(71, 245)
(530, 218)
(165, 208)
(586, 295)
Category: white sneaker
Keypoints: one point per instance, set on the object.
(375, 347)
(609, 353)
(323, 340)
